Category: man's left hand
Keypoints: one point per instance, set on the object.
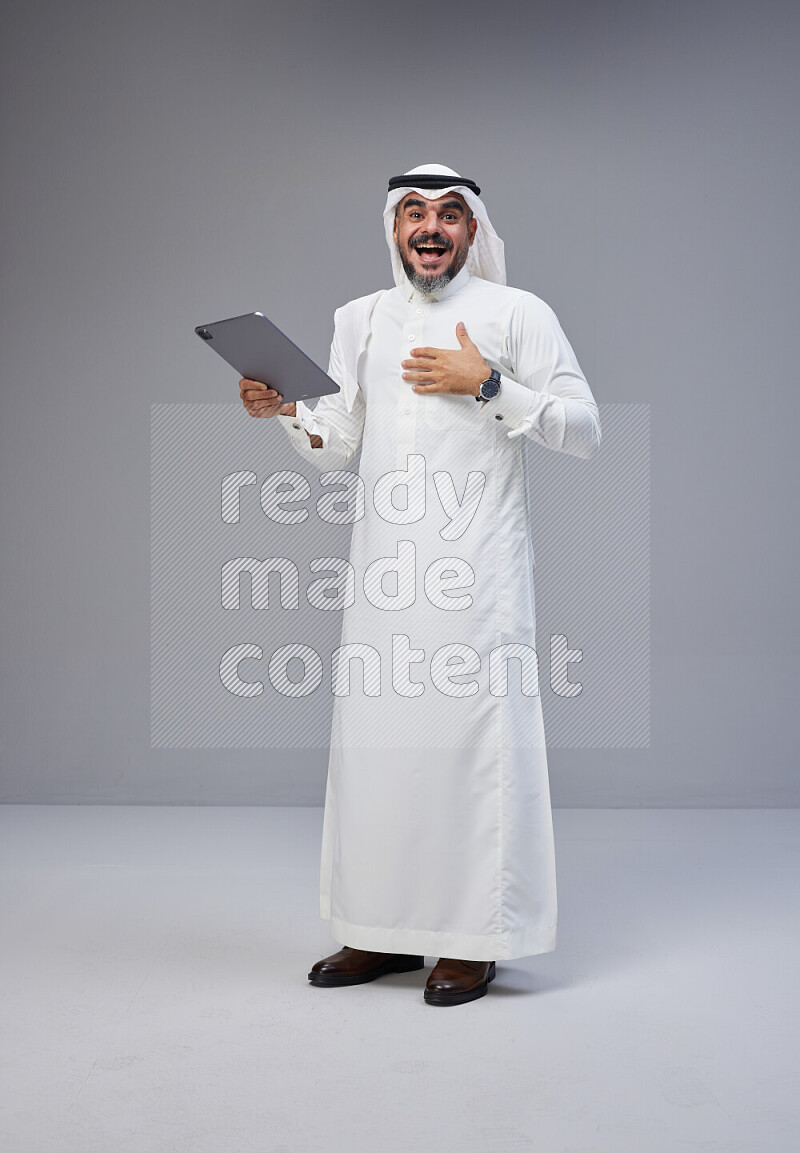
(460, 370)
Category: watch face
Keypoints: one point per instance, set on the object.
(490, 388)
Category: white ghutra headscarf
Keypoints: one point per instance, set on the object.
(486, 256)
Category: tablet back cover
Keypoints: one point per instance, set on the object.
(258, 350)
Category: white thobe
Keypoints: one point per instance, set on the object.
(437, 834)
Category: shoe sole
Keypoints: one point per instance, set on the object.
(333, 981)
(439, 998)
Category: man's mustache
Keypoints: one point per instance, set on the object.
(435, 239)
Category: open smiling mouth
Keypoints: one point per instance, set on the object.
(430, 253)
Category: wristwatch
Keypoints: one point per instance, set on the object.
(490, 387)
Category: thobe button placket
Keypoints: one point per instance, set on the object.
(405, 443)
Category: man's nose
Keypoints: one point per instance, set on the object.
(431, 223)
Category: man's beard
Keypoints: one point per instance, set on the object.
(430, 285)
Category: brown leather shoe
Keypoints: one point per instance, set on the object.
(453, 982)
(357, 966)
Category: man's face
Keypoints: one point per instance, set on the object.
(433, 238)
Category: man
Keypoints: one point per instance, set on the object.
(437, 834)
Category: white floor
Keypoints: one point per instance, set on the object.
(154, 995)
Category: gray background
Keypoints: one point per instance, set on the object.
(166, 164)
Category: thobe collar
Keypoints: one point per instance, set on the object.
(458, 282)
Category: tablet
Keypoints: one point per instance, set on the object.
(259, 351)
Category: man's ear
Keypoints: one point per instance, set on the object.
(394, 229)
(473, 228)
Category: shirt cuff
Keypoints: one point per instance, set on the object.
(512, 405)
(296, 429)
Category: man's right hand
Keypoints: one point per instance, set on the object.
(261, 400)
